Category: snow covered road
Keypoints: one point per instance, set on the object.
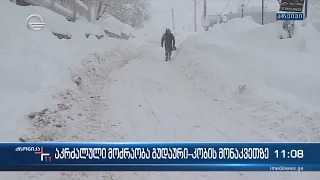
(152, 100)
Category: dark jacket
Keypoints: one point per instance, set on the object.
(169, 41)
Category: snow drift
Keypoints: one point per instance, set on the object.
(285, 70)
(108, 22)
(36, 64)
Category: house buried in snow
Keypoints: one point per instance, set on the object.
(111, 26)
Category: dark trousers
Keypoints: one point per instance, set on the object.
(168, 53)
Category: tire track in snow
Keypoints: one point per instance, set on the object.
(150, 108)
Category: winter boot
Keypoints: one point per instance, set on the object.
(167, 55)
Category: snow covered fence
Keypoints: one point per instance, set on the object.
(269, 17)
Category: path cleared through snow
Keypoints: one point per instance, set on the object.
(151, 100)
(150, 97)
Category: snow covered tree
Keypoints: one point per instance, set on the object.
(139, 13)
(132, 12)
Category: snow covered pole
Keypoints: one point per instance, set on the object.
(89, 4)
(173, 26)
(195, 15)
(205, 15)
(242, 8)
(262, 13)
(74, 9)
(305, 9)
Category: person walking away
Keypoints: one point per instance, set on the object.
(169, 43)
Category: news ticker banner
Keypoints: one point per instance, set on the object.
(159, 156)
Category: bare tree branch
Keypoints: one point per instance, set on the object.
(132, 12)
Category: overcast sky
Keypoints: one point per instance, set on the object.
(162, 18)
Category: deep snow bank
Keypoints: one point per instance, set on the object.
(35, 64)
(316, 24)
(246, 53)
(108, 22)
